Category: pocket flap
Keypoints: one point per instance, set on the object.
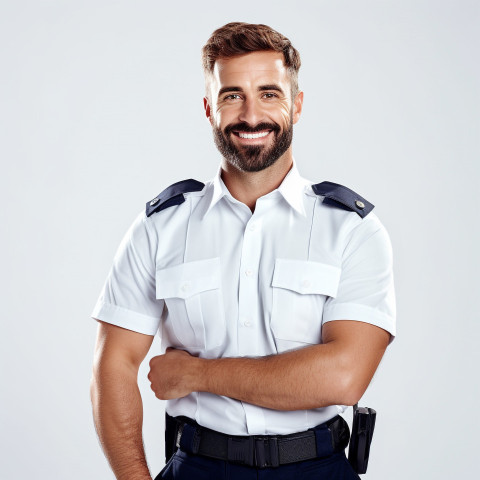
(188, 279)
(304, 276)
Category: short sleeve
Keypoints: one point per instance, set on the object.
(128, 297)
(366, 289)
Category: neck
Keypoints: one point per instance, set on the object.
(248, 187)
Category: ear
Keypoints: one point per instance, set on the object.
(297, 107)
(208, 112)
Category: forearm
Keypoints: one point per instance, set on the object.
(118, 415)
(311, 377)
(336, 372)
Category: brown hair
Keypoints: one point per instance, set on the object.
(238, 38)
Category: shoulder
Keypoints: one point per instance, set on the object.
(172, 195)
(363, 232)
(338, 196)
(345, 214)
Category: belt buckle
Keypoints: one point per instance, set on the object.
(266, 452)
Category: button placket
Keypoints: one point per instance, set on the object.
(248, 304)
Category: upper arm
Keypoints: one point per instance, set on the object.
(360, 347)
(119, 346)
(359, 322)
(366, 287)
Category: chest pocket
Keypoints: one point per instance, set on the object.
(300, 288)
(192, 293)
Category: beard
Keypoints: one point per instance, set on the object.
(253, 158)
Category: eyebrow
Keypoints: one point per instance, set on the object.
(261, 88)
(271, 87)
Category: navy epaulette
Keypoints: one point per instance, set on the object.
(342, 197)
(173, 195)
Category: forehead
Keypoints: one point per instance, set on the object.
(251, 68)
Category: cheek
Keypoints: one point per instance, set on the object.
(284, 114)
(279, 112)
(223, 117)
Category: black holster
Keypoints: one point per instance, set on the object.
(361, 438)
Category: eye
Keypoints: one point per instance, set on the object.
(270, 95)
(232, 96)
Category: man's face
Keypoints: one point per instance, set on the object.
(250, 109)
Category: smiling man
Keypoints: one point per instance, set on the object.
(273, 294)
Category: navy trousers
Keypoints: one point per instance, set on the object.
(185, 466)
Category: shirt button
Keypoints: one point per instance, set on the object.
(247, 323)
(306, 283)
(248, 272)
(185, 287)
(252, 227)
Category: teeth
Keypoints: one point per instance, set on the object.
(253, 135)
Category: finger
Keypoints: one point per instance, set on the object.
(152, 361)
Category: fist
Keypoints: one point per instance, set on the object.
(174, 374)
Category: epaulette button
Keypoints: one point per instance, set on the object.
(359, 204)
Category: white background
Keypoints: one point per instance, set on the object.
(101, 108)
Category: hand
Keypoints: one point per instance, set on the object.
(174, 374)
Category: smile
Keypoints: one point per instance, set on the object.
(252, 135)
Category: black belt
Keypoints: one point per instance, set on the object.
(260, 451)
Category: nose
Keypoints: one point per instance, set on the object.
(251, 112)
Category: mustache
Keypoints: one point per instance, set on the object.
(245, 127)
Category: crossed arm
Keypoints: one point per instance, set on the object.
(336, 372)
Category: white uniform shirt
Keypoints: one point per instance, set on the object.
(216, 280)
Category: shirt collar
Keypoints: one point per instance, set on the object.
(292, 189)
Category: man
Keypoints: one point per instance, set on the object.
(274, 296)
